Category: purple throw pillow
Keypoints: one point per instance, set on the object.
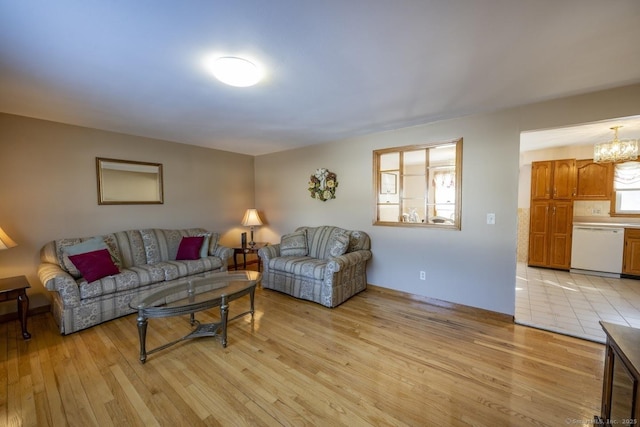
(94, 265)
(190, 248)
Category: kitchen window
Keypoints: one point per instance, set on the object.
(419, 185)
(626, 187)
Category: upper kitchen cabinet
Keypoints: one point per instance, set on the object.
(595, 180)
(553, 179)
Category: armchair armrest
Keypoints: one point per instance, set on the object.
(268, 252)
(343, 261)
(55, 279)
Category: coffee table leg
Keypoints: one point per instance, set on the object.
(23, 310)
(142, 331)
(224, 314)
(251, 297)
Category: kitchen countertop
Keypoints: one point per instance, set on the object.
(607, 224)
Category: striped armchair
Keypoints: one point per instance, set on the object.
(323, 264)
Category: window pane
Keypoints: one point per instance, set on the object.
(414, 187)
(413, 211)
(390, 161)
(443, 156)
(414, 162)
(389, 213)
(628, 201)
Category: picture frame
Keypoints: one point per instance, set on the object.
(127, 182)
(388, 183)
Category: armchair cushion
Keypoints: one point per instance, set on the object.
(294, 244)
(338, 244)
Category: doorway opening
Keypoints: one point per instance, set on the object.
(559, 300)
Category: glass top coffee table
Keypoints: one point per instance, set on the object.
(200, 293)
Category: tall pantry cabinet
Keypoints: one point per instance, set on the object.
(553, 186)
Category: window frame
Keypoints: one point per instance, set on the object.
(617, 193)
(456, 224)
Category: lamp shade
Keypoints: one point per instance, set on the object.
(251, 218)
(5, 241)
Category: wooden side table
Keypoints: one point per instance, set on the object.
(16, 288)
(244, 250)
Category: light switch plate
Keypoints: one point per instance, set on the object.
(491, 218)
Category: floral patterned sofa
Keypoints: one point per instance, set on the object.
(144, 261)
(323, 264)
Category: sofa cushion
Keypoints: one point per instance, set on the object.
(161, 245)
(190, 248)
(300, 266)
(294, 244)
(338, 244)
(89, 245)
(56, 251)
(128, 278)
(204, 249)
(182, 268)
(130, 246)
(94, 265)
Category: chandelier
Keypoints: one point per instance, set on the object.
(615, 150)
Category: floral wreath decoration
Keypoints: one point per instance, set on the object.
(323, 184)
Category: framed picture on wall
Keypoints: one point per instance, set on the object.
(388, 183)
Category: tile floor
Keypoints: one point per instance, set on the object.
(573, 304)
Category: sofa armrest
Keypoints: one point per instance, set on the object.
(268, 252)
(224, 253)
(343, 261)
(55, 279)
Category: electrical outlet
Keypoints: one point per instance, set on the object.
(491, 218)
(423, 275)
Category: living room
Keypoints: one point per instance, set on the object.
(49, 192)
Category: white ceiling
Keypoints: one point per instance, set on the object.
(335, 68)
(584, 134)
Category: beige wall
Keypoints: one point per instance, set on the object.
(475, 266)
(48, 188)
(48, 191)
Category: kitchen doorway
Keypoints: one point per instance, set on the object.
(561, 301)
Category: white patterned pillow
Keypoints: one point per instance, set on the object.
(338, 244)
(294, 244)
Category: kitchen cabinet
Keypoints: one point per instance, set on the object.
(553, 179)
(594, 180)
(631, 254)
(550, 233)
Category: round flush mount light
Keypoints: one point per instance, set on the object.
(236, 71)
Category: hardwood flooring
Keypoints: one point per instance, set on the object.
(381, 358)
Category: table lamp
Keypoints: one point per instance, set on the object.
(251, 219)
(5, 241)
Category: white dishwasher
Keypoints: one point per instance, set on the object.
(597, 250)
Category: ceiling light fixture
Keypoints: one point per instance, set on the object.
(615, 150)
(236, 71)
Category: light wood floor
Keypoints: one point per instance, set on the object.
(381, 358)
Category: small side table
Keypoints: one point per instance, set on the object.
(244, 250)
(16, 288)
